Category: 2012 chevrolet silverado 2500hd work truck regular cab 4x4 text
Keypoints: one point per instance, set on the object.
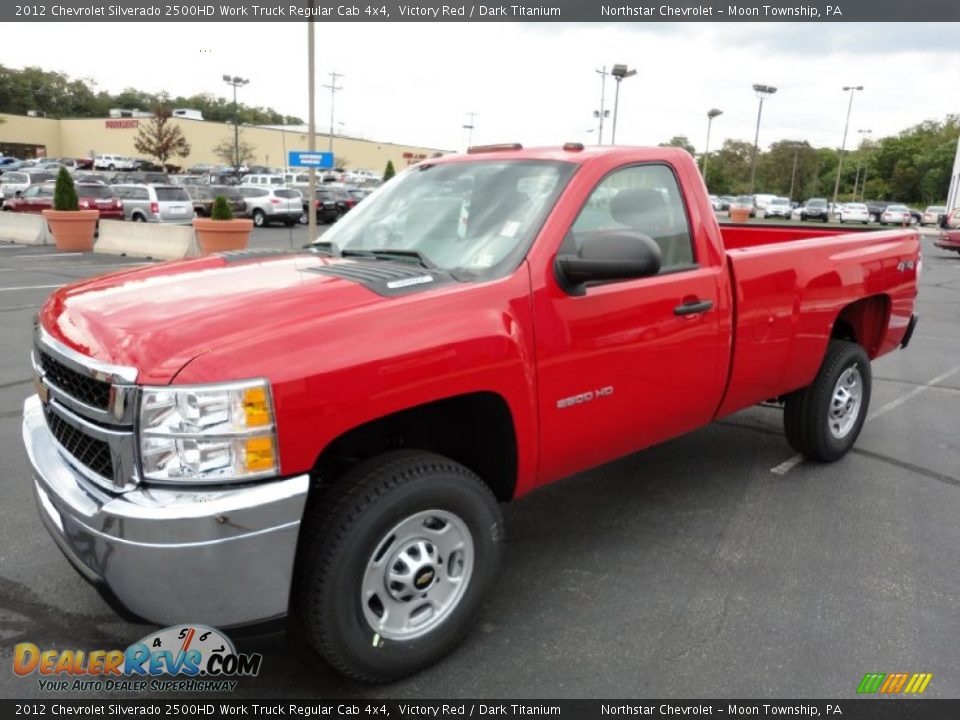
(328, 432)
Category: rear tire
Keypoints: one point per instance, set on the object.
(394, 565)
(823, 420)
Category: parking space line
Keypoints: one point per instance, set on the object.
(788, 465)
(57, 254)
(32, 287)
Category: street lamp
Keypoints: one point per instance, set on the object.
(711, 114)
(762, 92)
(793, 173)
(856, 180)
(235, 82)
(619, 72)
(843, 145)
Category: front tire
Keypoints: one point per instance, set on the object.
(395, 563)
(259, 218)
(822, 421)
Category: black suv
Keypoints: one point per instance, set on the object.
(815, 209)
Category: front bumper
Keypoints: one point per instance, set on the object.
(219, 556)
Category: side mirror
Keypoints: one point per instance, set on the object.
(18, 193)
(608, 255)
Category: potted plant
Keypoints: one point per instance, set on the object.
(221, 231)
(72, 228)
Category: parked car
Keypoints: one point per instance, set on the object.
(426, 377)
(855, 212)
(876, 208)
(91, 196)
(778, 207)
(949, 239)
(951, 219)
(138, 177)
(262, 180)
(9, 163)
(744, 202)
(358, 194)
(896, 215)
(203, 197)
(19, 180)
(345, 202)
(327, 208)
(155, 203)
(114, 162)
(272, 204)
(815, 209)
(931, 216)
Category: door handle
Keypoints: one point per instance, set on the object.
(692, 308)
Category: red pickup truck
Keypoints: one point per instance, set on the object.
(328, 433)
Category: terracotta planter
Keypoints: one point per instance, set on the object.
(221, 235)
(739, 215)
(72, 230)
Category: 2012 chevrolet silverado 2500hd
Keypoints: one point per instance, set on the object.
(328, 432)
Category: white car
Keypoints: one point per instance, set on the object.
(15, 181)
(855, 212)
(896, 215)
(114, 162)
(778, 207)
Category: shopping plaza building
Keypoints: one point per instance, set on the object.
(24, 137)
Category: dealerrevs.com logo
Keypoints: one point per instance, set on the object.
(197, 657)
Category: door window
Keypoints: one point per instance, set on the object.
(643, 198)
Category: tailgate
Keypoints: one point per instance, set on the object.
(788, 295)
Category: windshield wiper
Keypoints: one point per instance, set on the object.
(387, 254)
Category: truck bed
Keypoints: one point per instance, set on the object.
(791, 284)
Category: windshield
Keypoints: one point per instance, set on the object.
(816, 203)
(474, 218)
(779, 201)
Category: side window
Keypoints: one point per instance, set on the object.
(645, 198)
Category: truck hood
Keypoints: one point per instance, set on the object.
(157, 319)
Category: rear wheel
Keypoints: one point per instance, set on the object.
(304, 220)
(822, 421)
(138, 218)
(394, 567)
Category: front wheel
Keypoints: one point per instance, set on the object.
(823, 420)
(394, 567)
(259, 218)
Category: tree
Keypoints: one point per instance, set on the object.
(65, 192)
(680, 141)
(221, 209)
(160, 138)
(389, 171)
(226, 150)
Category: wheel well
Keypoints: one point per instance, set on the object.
(475, 430)
(864, 322)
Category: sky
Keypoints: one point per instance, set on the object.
(535, 83)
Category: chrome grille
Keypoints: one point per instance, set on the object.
(91, 453)
(87, 390)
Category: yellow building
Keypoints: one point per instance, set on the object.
(23, 137)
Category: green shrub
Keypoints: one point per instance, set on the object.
(389, 172)
(65, 193)
(221, 209)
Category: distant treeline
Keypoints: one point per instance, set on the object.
(59, 96)
(911, 167)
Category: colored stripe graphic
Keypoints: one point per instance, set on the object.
(871, 682)
(895, 683)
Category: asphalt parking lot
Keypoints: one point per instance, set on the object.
(714, 565)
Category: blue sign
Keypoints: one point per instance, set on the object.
(310, 159)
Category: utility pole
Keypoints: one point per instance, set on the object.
(603, 91)
(619, 72)
(469, 128)
(793, 173)
(333, 88)
(856, 180)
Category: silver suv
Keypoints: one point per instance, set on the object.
(155, 203)
(270, 204)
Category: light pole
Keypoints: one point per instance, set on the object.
(856, 180)
(602, 113)
(793, 173)
(236, 82)
(762, 92)
(311, 129)
(711, 114)
(836, 186)
(619, 72)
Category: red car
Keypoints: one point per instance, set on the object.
(949, 239)
(92, 196)
(332, 430)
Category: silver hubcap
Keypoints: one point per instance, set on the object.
(845, 404)
(417, 575)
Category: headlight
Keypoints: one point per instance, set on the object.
(208, 433)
